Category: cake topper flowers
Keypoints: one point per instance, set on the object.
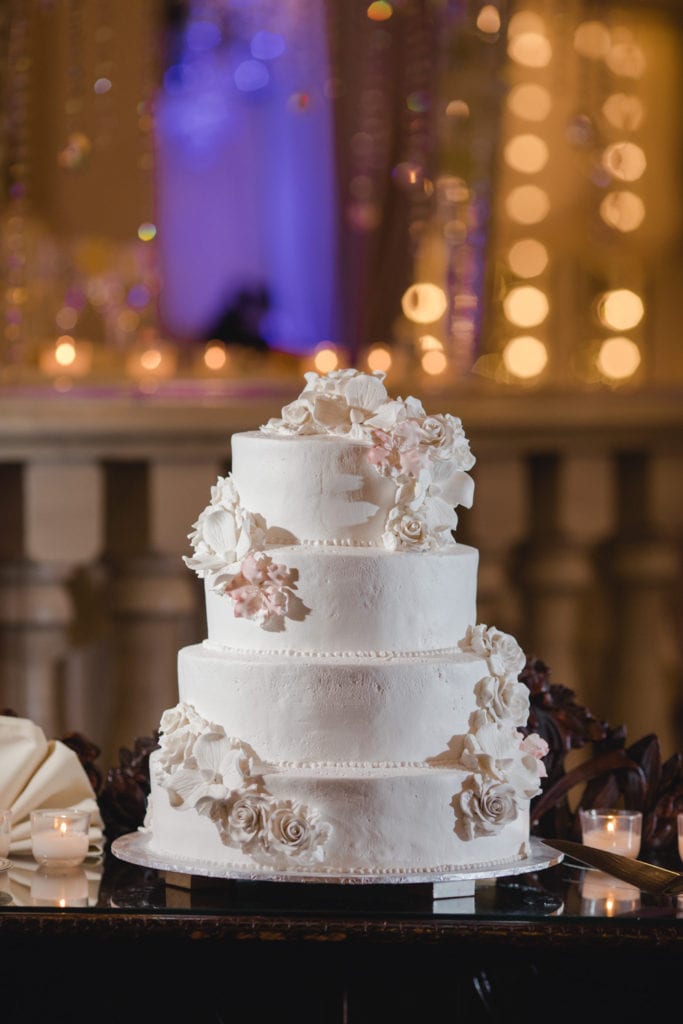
(426, 456)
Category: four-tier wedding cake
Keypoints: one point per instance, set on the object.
(346, 716)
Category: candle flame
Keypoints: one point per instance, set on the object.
(63, 827)
(611, 825)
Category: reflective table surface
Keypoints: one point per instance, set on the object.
(335, 954)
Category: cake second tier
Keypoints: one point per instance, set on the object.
(357, 600)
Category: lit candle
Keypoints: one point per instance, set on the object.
(60, 838)
(614, 830)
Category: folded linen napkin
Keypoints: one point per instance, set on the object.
(36, 772)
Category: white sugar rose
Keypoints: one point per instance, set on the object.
(245, 820)
(503, 699)
(297, 417)
(483, 808)
(294, 832)
(407, 530)
(501, 651)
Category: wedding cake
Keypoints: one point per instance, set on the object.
(346, 715)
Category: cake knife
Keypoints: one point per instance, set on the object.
(647, 877)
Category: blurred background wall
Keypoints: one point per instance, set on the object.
(204, 199)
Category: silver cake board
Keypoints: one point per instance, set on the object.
(194, 874)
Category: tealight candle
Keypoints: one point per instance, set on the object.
(59, 838)
(617, 831)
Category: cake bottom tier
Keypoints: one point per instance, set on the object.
(341, 821)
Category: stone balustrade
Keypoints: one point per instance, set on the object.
(577, 516)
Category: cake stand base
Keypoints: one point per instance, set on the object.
(194, 874)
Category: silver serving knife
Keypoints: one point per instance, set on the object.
(647, 877)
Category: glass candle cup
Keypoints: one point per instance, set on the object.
(59, 838)
(614, 830)
(5, 832)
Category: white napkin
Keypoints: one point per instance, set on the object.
(36, 772)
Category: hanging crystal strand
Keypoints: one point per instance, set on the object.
(77, 145)
(103, 77)
(15, 334)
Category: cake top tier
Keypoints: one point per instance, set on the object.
(426, 457)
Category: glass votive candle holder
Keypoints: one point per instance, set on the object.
(679, 819)
(59, 838)
(617, 831)
(67, 887)
(5, 833)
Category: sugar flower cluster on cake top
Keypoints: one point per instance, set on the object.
(426, 456)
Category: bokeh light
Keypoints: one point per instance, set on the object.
(618, 358)
(530, 49)
(424, 303)
(530, 101)
(379, 358)
(147, 231)
(526, 306)
(528, 257)
(428, 343)
(526, 153)
(626, 59)
(66, 318)
(251, 75)
(525, 357)
(622, 210)
(326, 359)
(65, 351)
(527, 204)
(380, 10)
(592, 39)
(621, 309)
(434, 362)
(625, 161)
(488, 20)
(525, 21)
(624, 111)
(215, 355)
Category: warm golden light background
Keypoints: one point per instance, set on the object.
(503, 238)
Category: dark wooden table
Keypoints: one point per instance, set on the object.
(526, 947)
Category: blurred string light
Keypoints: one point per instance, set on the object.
(621, 309)
(488, 20)
(379, 358)
(618, 358)
(434, 362)
(525, 357)
(326, 358)
(526, 203)
(527, 257)
(215, 356)
(424, 303)
(530, 101)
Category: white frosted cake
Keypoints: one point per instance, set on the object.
(346, 715)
